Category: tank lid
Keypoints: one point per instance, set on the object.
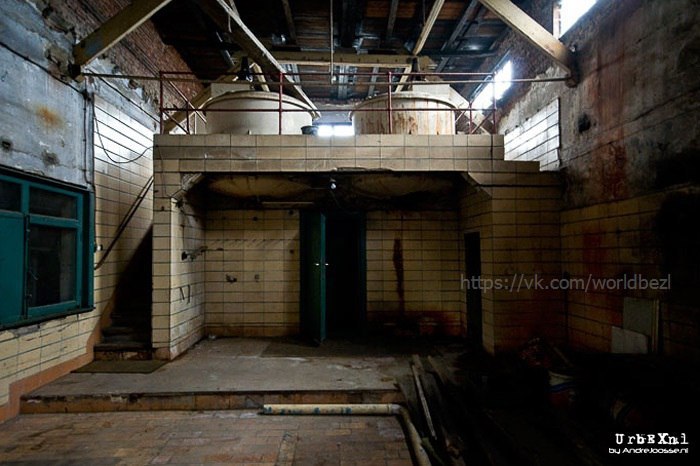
(256, 95)
(404, 95)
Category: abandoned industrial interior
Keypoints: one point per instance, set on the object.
(333, 232)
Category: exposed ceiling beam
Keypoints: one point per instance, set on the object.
(348, 21)
(393, 9)
(422, 38)
(538, 36)
(373, 82)
(458, 54)
(255, 49)
(428, 26)
(113, 30)
(365, 60)
(468, 16)
(259, 77)
(291, 28)
(343, 83)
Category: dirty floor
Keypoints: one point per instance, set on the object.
(238, 364)
(211, 437)
(73, 428)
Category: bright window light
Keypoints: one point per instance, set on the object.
(569, 12)
(502, 80)
(327, 131)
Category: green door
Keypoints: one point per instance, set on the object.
(11, 266)
(312, 296)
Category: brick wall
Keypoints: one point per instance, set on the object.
(142, 52)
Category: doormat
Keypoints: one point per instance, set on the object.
(122, 367)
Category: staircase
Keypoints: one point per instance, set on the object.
(129, 334)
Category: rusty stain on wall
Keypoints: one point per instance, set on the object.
(48, 117)
(398, 267)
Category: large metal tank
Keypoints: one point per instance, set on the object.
(250, 120)
(412, 113)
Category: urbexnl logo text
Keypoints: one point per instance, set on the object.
(658, 443)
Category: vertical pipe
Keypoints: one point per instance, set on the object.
(187, 117)
(160, 101)
(280, 101)
(330, 24)
(471, 117)
(391, 122)
(493, 80)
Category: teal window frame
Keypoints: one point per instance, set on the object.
(82, 224)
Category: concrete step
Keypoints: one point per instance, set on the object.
(136, 338)
(120, 330)
(126, 349)
(194, 401)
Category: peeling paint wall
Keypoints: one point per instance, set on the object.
(47, 129)
(44, 122)
(629, 146)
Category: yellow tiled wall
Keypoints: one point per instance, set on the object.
(178, 276)
(536, 138)
(519, 233)
(119, 138)
(429, 241)
(252, 272)
(615, 240)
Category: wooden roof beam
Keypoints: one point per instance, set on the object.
(113, 30)
(393, 9)
(373, 82)
(364, 60)
(538, 36)
(255, 49)
(422, 38)
(289, 17)
(468, 16)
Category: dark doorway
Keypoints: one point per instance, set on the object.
(472, 265)
(333, 274)
(312, 293)
(345, 273)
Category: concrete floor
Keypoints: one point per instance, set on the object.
(252, 365)
(212, 437)
(193, 410)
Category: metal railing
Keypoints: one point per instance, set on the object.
(391, 81)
